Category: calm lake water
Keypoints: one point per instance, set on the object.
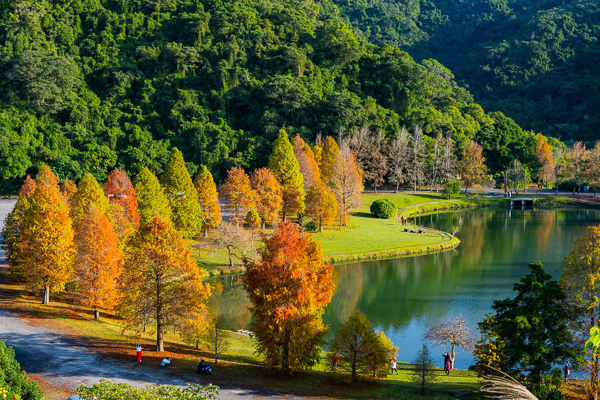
(401, 296)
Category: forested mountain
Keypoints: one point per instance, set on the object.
(87, 85)
(538, 61)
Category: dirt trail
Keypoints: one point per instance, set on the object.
(63, 361)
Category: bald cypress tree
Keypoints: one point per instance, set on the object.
(151, 197)
(208, 198)
(89, 193)
(182, 196)
(285, 166)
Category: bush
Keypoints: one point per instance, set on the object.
(451, 189)
(383, 208)
(13, 381)
(107, 390)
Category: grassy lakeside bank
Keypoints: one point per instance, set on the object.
(370, 238)
(239, 367)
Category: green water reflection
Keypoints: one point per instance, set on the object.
(400, 296)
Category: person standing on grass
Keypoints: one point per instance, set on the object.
(138, 349)
(393, 365)
(334, 362)
(567, 371)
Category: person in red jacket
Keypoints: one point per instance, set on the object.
(138, 349)
(334, 362)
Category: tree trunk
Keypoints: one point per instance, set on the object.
(145, 326)
(46, 299)
(160, 346)
(397, 186)
(230, 260)
(96, 315)
(594, 377)
(467, 190)
(285, 359)
(321, 228)
(205, 233)
(453, 348)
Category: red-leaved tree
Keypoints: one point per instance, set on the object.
(289, 286)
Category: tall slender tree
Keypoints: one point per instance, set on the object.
(268, 195)
(307, 163)
(183, 196)
(12, 226)
(285, 166)
(417, 167)
(208, 198)
(592, 167)
(544, 156)
(472, 165)
(46, 248)
(575, 161)
(162, 281)
(151, 197)
(370, 150)
(399, 158)
(119, 190)
(346, 184)
(98, 262)
(89, 194)
(289, 286)
(328, 158)
(237, 194)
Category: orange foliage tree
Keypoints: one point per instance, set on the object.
(12, 226)
(346, 183)
(321, 204)
(472, 165)
(544, 156)
(208, 199)
(162, 283)
(46, 248)
(98, 262)
(119, 190)
(268, 195)
(238, 194)
(288, 288)
(306, 161)
(68, 189)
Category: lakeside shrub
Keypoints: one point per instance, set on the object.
(107, 390)
(383, 208)
(13, 381)
(451, 189)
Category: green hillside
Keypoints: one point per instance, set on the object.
(535, 60)
(87, 85)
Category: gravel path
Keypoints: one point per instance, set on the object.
(62, 361)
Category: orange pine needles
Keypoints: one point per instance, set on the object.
(288, 288)
(98, 262)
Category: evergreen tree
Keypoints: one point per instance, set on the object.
(89, 194)
(328, 158)
(285, 166)
(208, 198)
(151, 197)
(182, 195)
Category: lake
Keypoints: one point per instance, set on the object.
(401, 296)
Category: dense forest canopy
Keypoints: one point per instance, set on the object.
(90, 85)
(538, 61)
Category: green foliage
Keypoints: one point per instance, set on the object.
(451, 189)
(89, 194)
(13, 380)
(182, 195)
(383, 208)
(423, 373)
(361, 350)
(107, 390)
(87, 87)
(533, 326)
(151, 197)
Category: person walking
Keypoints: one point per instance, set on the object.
(334, 362)
(138, 349)
(393, 365)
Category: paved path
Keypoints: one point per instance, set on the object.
(63, 361)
